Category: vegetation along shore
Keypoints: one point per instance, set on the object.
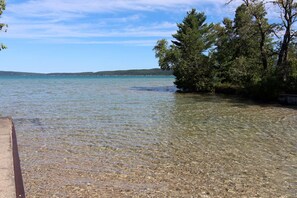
(246, 55)
(134, 72)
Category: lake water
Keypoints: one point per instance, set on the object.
(135, 137)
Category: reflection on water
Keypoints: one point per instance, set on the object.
(108, 138)
(158, 89)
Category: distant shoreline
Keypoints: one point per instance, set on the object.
(134, 72)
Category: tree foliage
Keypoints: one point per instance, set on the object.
(188, 56)
(288, 16)
(244, 47)
(246, 55)
(2, 25)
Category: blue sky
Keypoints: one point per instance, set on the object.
(93, 35)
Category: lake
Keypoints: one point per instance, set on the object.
(136, 137)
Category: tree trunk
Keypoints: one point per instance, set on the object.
(283, 53)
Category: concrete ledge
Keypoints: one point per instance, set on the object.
(11, 181)
(288, 99)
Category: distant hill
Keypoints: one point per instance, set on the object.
(134, 72)
(11, 73)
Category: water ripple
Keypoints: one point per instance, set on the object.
(136, 137)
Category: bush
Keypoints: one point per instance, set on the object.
(290, 86)
(227, 88)
(267, 89)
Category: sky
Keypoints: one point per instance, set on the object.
(93, 35)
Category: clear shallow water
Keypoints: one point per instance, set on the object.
(133, 136)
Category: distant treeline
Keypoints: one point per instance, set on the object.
(135, 72)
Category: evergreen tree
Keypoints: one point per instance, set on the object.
(188, 54)
(237, 49)
(256, 11)
(240, 55)
(224, 53)
(244, 46)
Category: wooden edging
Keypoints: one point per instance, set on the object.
(19, 186)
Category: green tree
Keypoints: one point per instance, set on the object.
(224, 52)
(241, 54)
(244, 46)
(255, 12)
(2, 25)
(188, 55)
(237, 52)
(168, 56)
(288, 10)
(245, 68)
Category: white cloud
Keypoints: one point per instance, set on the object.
(97, 19)
(49, 31)
(139, 42)
(52, 7)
